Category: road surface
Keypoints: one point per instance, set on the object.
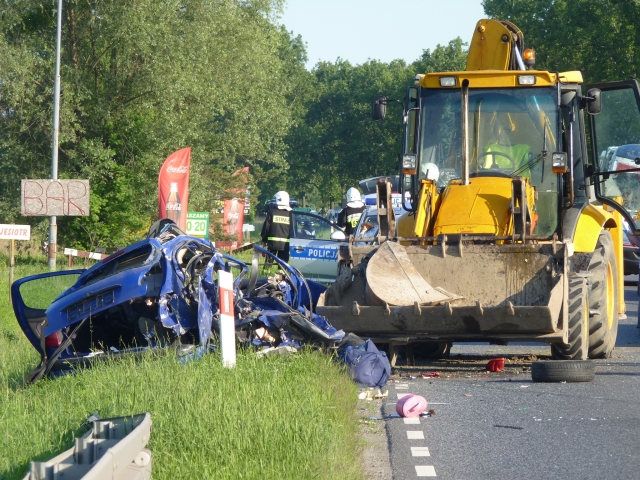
(503, 426)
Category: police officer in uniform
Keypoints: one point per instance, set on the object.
(276, 230)
(350, 215)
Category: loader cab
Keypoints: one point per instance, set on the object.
(518, 124)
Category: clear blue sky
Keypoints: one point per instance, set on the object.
(359, 30)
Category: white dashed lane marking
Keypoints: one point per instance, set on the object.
(420, 452)
(421, 470)
(425, 471)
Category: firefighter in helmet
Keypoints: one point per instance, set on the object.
(276, 230)
(350, 215)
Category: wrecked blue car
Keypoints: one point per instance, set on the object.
(162, 291)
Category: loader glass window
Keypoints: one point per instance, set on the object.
(617, 138)
(509, 129)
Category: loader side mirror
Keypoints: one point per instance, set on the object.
(594, 101)
(379, 108)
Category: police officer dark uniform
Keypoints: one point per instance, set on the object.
(276, 230)
(350, 215)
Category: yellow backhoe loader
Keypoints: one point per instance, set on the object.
(513, 230)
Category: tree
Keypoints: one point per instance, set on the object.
(338, 144)
(449, 58)
(141, 79)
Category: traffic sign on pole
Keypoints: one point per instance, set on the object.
(198, 224)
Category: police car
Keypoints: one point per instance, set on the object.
(314, 245)
(368, 224)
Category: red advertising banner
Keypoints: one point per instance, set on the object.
(233, 215)
(173, 187)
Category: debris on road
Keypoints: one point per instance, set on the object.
(411, 405)
(430, 374)
(367, 364)
(563, 371)
(495, 365)
(430, 413)
(369, 395)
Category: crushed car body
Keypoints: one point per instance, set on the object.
(162, 291)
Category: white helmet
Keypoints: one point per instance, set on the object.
(282, 200)
(430, 171)
(353, 195)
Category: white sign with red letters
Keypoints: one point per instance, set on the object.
(15, 232)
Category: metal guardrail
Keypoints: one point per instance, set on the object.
(112, 450)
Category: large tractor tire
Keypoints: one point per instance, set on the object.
(578, 346)
(603, 299)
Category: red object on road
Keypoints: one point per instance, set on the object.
(430, 374)
(411, 405)
(495, 365)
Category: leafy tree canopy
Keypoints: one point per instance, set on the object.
(337, 144)
(141, 79)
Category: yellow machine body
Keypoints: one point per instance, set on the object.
(469, 263)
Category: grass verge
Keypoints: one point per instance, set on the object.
(280, 418)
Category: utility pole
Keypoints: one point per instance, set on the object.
(53, 227)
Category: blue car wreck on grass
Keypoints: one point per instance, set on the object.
(162, 291)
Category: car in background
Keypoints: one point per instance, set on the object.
(630, 255)
(314, 245)
(332, 214)
(368, 224)
(368, 187)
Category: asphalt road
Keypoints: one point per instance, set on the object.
(503, 426)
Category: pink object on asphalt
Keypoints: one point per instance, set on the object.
(411, 405)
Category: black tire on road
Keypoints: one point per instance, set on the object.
(603, 299)
(563, 371)
(578, 346)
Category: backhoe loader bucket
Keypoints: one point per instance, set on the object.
(451, 292)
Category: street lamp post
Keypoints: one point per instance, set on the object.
(53, 227)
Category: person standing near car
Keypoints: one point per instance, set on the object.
(350, 215)
(276, 230)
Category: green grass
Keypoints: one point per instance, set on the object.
(280, 418)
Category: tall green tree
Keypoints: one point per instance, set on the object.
(141, 79)
(444, 58)
(338, 144)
